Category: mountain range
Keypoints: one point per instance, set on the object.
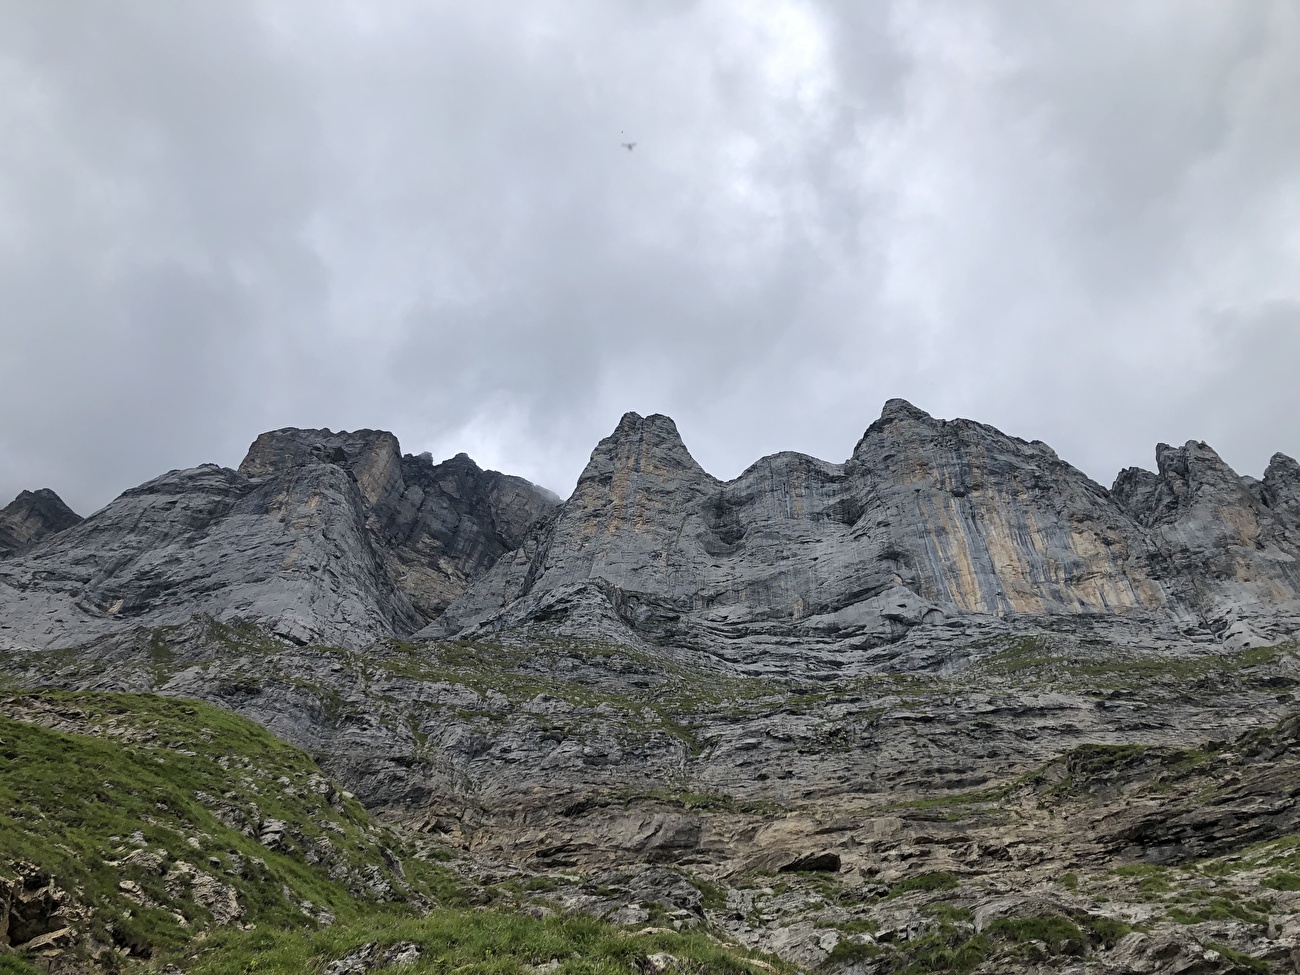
(930, 526)
(946, 706)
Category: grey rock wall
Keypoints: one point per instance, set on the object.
(930, 531)
(436, 526)
(1224, 548)
(333, 538)
(929, 523)
(32, 516)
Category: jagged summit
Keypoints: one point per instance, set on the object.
(640, 444)
(930, 523)
(897, 408)
(333, 537)
(32, 516)
(1280, 488)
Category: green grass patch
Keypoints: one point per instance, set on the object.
(159, 790)
(490, 942)
(1239, 959)
(715, 895)
(847, 952)
(948, 951)
(1032, 657)
(924, 882)
(1061, 935)
(1107, 931)
(1220, 909)
(1283, 880)
(948, 912)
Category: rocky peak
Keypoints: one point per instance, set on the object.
(1225, 545)
(459, 476)
(1280, 488)
(1195, 468)
(326, 536)
(898, 418)
(372, 457)
(435, 525)
(897, 408)
(985, 522)
(32, 516)
(1190, 475)
(642, 451)
(1137, 491)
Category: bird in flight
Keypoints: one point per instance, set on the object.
(629, 146)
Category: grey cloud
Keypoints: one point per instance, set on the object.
(1071, 221)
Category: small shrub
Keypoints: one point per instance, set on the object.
(938, 880)
(1239, 960)
(1282, 880)
(1107, 931)
(1061, 935)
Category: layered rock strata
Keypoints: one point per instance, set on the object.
(326, 537)
(32, 516)
(929, 524)
(930, 533)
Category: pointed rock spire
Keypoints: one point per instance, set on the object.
(1281, 485)
(896, 409)
(639, 444)
(31, 516)
(899, 420)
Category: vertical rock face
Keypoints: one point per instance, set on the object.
(31, 516)
(291, 550)
(340, 538)
(436, 527)
(986, 523)
(326, 537)
(928, 519)
(1223, 546)
(1280, 489)
(622, 519)
(651, 539)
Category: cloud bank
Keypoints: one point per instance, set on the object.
(1076, 222)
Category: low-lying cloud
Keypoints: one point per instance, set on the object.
(1076, 222)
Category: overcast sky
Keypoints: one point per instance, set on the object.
(1079, 222)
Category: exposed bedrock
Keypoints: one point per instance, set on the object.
(929, 523)
(929, 533)
(333, 538)
(32, 516)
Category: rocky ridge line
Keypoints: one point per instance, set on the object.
(930, 524)
(327, 537)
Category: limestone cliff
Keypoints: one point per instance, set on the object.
(930, 530)
(436, 527)
(929, 522)
(32, 516)
(325, 537)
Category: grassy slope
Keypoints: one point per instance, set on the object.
(70, 802)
